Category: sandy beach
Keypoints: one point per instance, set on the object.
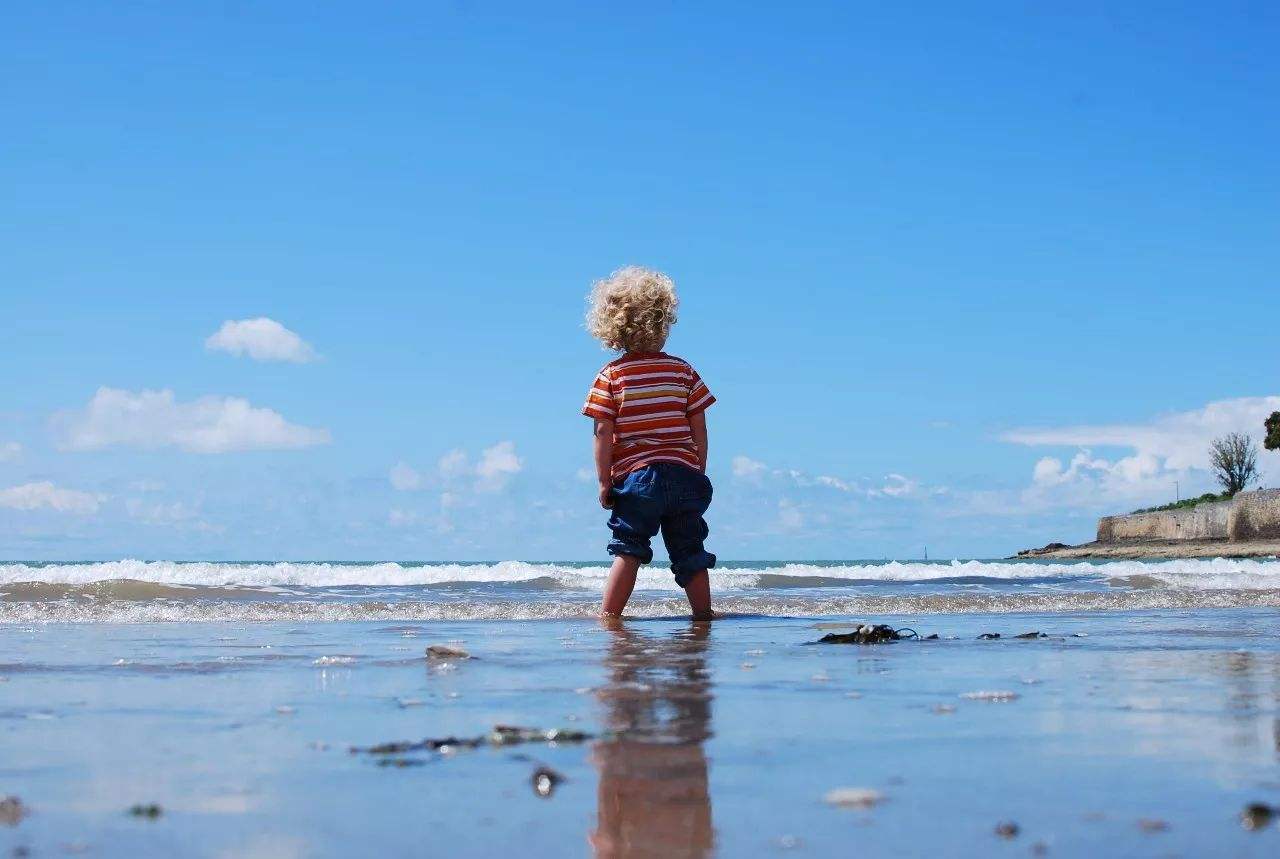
(1124, 731)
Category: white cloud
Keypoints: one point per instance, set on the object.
(833, 482)
(453, 464)
(404, 477)
(748, 468)
(1168, 448)
(152, 419)
(34, 496)
(894, 485)
(457, 471)
(262, 339)
(9, 451)
(585, 475)
(1178, 440)
(497, 465)
(897, 486)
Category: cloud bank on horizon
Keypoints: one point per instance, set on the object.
(1171, 447)
(462, 493)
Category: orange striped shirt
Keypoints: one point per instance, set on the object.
(650, 397)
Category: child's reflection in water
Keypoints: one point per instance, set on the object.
(653, 798)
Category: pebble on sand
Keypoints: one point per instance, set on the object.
(854, 797)
(12, 810)
(1257, 815)
(444, 651)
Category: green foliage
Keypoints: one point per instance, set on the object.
(1272, 441)
(1188, 503)
(1233, 459)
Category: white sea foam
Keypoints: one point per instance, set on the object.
(1247, 574)
(905, 606)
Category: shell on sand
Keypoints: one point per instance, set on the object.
(995, 696)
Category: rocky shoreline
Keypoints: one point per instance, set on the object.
(1157, 549)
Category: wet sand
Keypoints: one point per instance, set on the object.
(1146, 737)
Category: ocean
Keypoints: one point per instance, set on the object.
(132, 591)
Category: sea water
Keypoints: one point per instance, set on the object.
(165, 591)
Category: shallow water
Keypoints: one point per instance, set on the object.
(230, 695)
(720, 738)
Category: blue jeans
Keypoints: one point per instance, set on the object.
(664, 496)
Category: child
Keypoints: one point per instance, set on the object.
(650, 438)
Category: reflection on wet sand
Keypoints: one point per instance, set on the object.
(653, 798)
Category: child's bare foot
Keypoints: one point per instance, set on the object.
(698, 590)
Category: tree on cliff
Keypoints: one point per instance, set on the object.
(1272, 441)
(1234, 460)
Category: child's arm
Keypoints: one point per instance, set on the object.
(603, 436)
(698, 427)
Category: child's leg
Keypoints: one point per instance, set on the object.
(698, 590)
(622, 581)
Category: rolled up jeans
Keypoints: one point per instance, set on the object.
(667, 497)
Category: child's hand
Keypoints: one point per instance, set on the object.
(606, 495)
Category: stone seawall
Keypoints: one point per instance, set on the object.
(1248, 516)
(1255, 516)
(1202, 522)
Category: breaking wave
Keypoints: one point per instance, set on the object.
(1196, 574)
(218, 611)
(130, 591)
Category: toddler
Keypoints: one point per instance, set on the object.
(649, 410)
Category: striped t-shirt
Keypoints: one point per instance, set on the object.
(650, 397)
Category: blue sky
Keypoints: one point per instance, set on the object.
(962, 278)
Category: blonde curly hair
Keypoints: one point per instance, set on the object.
(632, 310)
